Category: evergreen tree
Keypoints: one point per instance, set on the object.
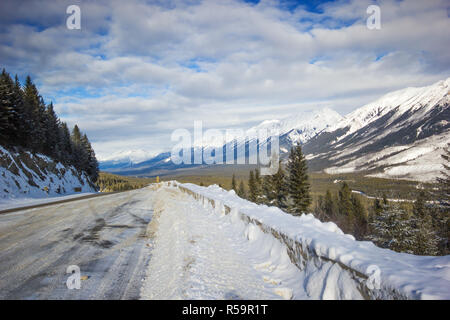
(443, 194)
(298, 184)
(329, 205)
(393, 229)
(279, 188)
(34, 113)
(7, 128)
(233, 184)
(360, 218)
(252, 188)
(259, 187)
(241, 191)
(51, 126)
(345, 202)
(426, 239)
(65, 144)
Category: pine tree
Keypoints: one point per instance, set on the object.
(6, 108)
(443, 185)
(34, 112)
(233, 184)
(426, 239)
(360, 218)
(51, 126)
(345, 200)
(241, 191)
(259, 187)
(393, 229)
(65, 144)
(279, 188)
(329, 205)
(298, 184)
(90, 162)
(252, 188)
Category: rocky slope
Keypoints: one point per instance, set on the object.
(27, 175)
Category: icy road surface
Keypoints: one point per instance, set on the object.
(104, 236)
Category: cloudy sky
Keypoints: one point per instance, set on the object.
(137, 70)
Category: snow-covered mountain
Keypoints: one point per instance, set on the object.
(296, 129)
(301, 127)
(400, 135)
(125, 158)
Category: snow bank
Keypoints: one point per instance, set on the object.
(323, 251)
(25, 175)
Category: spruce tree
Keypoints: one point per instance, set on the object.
(329, 205)
(279, 188)
(426, 239)
(241, 191)
(443, 182)
(267, 190)
(298, 184)
(259, 187)
(233, 183)
(6, 108)
(51, 126)
(393, 229)
(252, 188)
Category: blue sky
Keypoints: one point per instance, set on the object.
(137, 70)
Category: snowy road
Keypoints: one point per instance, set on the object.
(161, 243)
(206, 255)
(143, 244)
(104, 236)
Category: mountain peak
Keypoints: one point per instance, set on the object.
(407, 99)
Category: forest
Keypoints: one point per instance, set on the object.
(28, 123)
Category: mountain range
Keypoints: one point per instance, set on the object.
(400, 135)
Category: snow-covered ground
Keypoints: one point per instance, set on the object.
(24, 202)
(202, 254)
(28, 176)
(193, 232)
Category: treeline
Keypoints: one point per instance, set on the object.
(289, 191)
(27, 122)
(422, 228)
(108, 182)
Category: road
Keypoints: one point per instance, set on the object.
(104, 236)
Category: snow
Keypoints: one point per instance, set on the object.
(133, 156)
(300, 127)
(201, 253)
(415, 277)
(15, 188)
(409, 99)
(419, 161)
(24, 202)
